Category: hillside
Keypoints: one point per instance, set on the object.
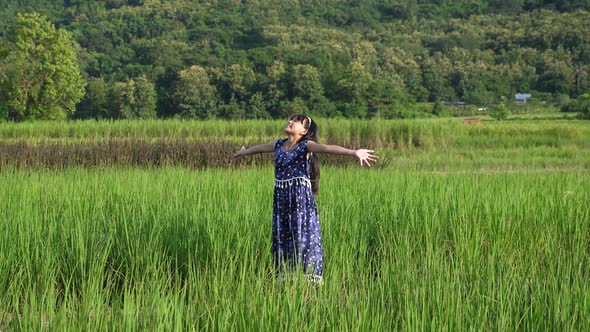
(365, 58)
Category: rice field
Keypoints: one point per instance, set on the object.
(434, 238)
(427, 144)
(422, 133)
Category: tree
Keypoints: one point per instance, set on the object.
(257, 107)
(506, 6)
(305, 82)
(297, 106)
(353, 90)
(3, 113)
(435, 72)
(96, 102)
(276, 88)
(234, 82)
(584, 105)
(39, 71)
(135, 98)
(386, 95)
(581, 105)
(194, 94)
(579, 76)
(439, 109)
(500, 112)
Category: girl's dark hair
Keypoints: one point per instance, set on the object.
(311, 135)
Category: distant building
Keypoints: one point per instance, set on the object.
(454, 103)
(522, 98)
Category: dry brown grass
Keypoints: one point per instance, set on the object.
(133, 153)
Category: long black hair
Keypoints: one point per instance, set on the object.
(311, 135)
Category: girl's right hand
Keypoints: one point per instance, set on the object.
(239, 153)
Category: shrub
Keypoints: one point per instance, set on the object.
(500, 112)
(580, 105)
(440, 110)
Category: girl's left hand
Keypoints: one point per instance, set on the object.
(239, 153)
(365, 156)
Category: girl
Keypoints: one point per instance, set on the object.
(296, 239)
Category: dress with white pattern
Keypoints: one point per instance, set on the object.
(296, 238)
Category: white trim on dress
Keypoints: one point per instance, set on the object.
(289, 182)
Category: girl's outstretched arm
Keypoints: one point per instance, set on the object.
(268, 147)
(365, 156)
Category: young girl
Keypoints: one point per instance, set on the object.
(296, 239)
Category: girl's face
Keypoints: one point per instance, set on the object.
(296, 126)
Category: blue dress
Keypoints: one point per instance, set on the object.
(296, 238)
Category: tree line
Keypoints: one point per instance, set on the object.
(261, 58)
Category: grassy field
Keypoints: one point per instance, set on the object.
(430, 144)
(457, 228)
(179, 249)
(425, 133)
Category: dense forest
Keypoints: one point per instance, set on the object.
(262, 58)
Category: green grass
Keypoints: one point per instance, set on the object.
(541, 159)
(424, 133)
(179, 249)
(456, 228)
(433, 144)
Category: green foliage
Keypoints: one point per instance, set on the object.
(296, 106)
(579, 105)
(232, 111)
(3, 113)
(97, 102)
(135, 99)
(500, 112)
(233, 82)
(257, 107)
(387, 96)
(194, 94)
(355, 84)
(277, 87)
(179, 249)
(436, 73)
(439, 109)
(305, 82)
(39, 71)
(562, 100)
(339, 58)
